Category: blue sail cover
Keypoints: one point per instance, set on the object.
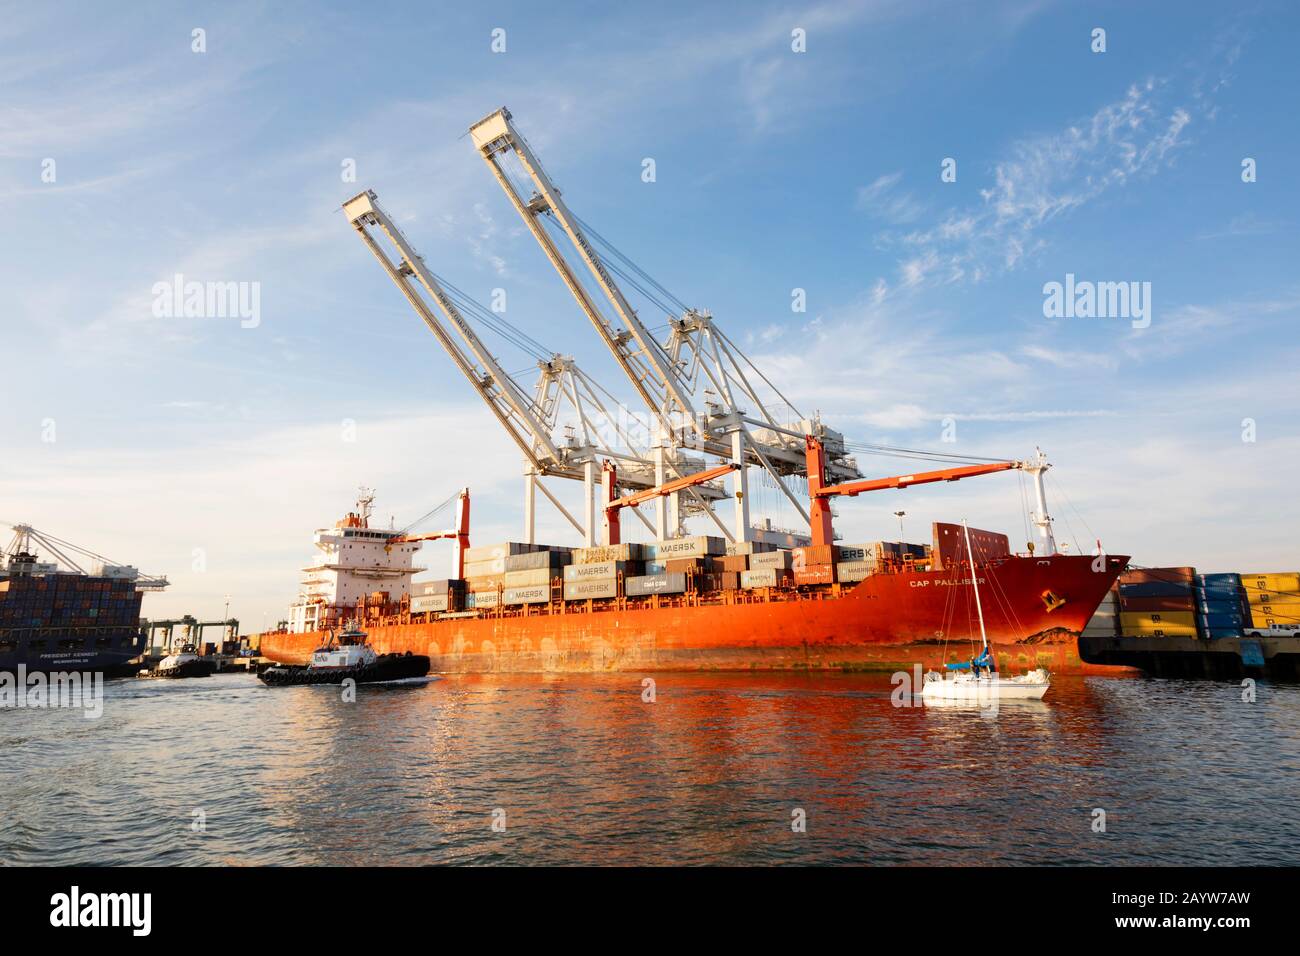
(985, 660)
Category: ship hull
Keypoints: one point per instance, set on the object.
(888, 622)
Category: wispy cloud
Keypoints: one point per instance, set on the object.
(1043, 179)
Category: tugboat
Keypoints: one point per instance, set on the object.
(348, 656)
(185, 663)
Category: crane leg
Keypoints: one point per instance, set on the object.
(740, 486)
(530, 505)
(589, 503)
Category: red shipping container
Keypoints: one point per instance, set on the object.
(732, 562)
(818, 574)
(815, 555)
(1158, 576)
(1146, 605)
(685, 566)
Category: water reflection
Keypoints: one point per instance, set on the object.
(713, 771)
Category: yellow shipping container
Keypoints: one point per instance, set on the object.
(1269, 615)
(1256, 596)
(1279, 581)
(1158, 623)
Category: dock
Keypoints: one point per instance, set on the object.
(1277, 658)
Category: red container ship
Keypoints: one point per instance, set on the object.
(907, 612)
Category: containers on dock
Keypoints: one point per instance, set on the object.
(1273, 598)
(1179, 575)
(1158, 624)
(1220, 605)
(1105, 620)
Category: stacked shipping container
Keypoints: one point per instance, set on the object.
(1158, 602)
(1273, 599)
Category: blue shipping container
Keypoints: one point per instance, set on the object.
(1155, 589)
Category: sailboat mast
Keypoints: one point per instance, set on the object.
(974, 580)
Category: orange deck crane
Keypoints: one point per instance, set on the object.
(613, 505)
(821, 493)
(460, 533)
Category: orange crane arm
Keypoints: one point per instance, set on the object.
(852, 488)
(668, 487)
(434, 536)
(614, 505)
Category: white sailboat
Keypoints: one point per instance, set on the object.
(978, 679)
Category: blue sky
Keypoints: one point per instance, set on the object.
(775, 170)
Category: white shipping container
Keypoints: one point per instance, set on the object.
(602, 554)
(760, 578)
(429, 602)
(853, 571)
(538, 594)
(597, 588)
(485, 567)
(527, 579)
(655, 584)
(490, 552)
(700, 546)
(770, 559)
(857, 552)
(601, 569)
(749, 547)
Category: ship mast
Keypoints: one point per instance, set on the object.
(1037, 467)
(974, 580)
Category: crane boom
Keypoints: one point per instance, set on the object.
(696, 355)
(648, 365)
(531, 422)
(512, 408)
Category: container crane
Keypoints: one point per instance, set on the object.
(27, 541)
(530, 421)
(667, 376)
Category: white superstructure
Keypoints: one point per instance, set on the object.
(354, 560)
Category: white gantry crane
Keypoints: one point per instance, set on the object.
(701, 390)
(27, 542)
(561, 427)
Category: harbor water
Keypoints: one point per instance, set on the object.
(716, 769)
